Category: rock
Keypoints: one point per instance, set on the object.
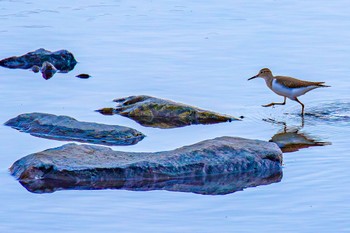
(63, 60)
(48, 70)
(107, 111)
(83, 76)
(217, 166)
(154, 112)
(68, 129)
(35, 69)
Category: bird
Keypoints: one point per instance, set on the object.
(287, 87)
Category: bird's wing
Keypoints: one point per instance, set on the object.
(294, 83)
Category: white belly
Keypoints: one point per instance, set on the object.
(291, 93)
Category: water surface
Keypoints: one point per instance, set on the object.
(198, 53)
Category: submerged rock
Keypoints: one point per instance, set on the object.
(331, 113)
(63, 60)
(217, 166)
(68, 129)
(160, 113)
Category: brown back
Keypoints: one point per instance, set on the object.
(293, 82)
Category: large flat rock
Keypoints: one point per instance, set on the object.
(161, 113)
(237, 163)
(69, 129)
(62, 60)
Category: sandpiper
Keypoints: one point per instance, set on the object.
(287, 86)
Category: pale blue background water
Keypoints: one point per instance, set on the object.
(196, 52)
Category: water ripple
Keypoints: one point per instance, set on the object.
(334, 112)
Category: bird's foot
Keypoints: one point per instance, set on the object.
(268, 105)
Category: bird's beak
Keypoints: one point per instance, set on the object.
(253, 77)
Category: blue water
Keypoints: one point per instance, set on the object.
(200, 53)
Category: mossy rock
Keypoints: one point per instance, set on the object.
(160, 113)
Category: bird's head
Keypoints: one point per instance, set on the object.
(263, 73)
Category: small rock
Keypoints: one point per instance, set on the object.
(35, 69)
(48, 70)
(106, 111)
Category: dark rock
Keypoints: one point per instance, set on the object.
(63, 60)
(83, 76)
(160, 113)
(35, 69)
(206, 185)
(218, 166)
(68, 129)
(48, 70)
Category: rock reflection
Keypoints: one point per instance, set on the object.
(290, 139)
(207, 185)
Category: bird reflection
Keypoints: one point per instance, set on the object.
(290, 139)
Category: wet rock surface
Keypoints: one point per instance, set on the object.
(160, 113)
(68, 129)
(217, 166)
(62, 60)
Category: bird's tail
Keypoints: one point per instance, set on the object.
(321, 84)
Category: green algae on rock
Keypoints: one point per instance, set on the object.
(160, 113)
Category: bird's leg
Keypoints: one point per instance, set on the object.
(273, 104)
(302, 106)
(302, 121)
